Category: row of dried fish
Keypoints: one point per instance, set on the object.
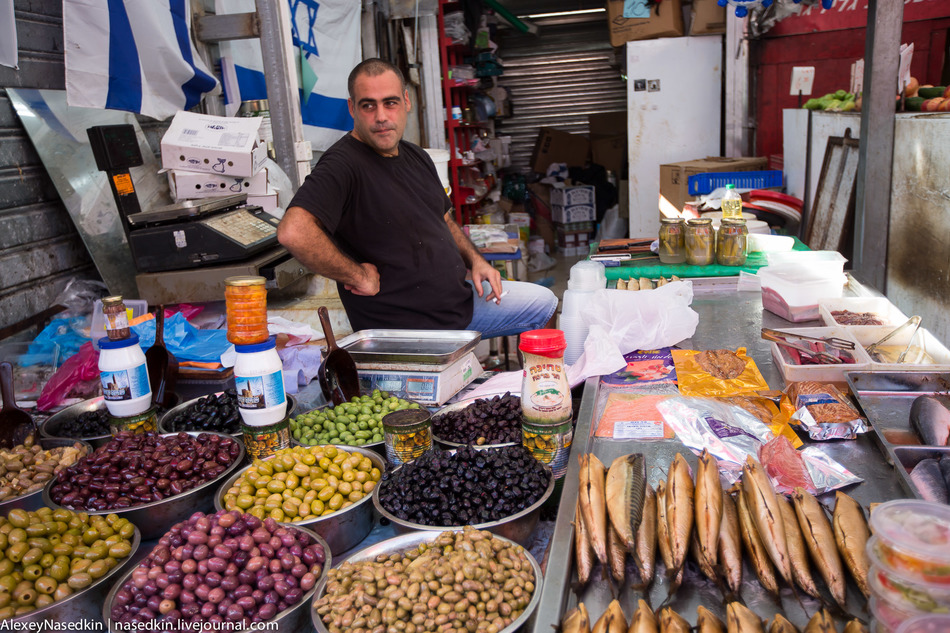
(618, 513)
(644, 283)
(739, 619)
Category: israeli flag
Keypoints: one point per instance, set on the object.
(133, 55)
(326, 40)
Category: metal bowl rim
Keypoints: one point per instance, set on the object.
(327, 563)
(478, 526)
(291, 408)
(98, 400)
(405, 542)
(47, 500)
(41, 491)
(373, 456)
(136, 542)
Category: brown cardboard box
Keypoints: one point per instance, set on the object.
(607, 124)
(609, 152)
(555, 146)
(673, 177)
(669, 23)
(708, 18)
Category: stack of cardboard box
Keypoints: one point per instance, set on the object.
(210, 156)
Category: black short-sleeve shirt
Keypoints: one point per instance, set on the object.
(389, 211)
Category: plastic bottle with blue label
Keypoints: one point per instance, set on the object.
(124, 377)
(262, 399)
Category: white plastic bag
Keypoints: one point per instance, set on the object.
(620, 322)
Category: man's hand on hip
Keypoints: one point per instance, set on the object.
(368, 284)
(483, 271)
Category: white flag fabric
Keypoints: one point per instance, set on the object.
(133, 55)
(326, 39)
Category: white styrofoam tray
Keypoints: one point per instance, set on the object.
(869, 335)
(879, 306)
(821, 373)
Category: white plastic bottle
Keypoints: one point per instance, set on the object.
(124, 377)
(731, 204)
(586, 278)
(259, 380)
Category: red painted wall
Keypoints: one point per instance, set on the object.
(831, 41)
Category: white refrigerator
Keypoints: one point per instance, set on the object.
(674, 96)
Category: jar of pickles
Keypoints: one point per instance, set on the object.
(700, 242)
(732, 243)
(672, 240)
(407, 434)
(246, 305)
(117, 319)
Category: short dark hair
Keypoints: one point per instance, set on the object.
(373, 67)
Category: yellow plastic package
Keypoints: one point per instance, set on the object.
(718, 372)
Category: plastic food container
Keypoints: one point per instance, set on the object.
(926, 624)
(912, 538)
(765, 243)
(905, 592)
(881, 307)
(923, 340)
(793, 372)
(124, 377)
(826, 261)
(792, 291)
(890, 614)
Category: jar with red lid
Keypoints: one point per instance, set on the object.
(246, 305)
(545, 392)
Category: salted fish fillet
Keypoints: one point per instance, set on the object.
(625, 490)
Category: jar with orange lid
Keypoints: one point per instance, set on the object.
(246, 305)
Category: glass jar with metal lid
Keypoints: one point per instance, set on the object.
(117, 319)
(672, 240)
(407, 435)
(246, 308)
(700, 242)
(732, 243)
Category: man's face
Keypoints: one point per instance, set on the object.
(380, 109)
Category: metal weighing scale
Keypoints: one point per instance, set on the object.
(185, 251)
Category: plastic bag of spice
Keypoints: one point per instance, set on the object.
(719, 372)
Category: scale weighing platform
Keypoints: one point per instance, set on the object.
(185, 251)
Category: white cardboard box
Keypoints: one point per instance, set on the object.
(229, 146)
(431, 387)
(190, 185)
(573, 204)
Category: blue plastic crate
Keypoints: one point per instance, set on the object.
(701, 184)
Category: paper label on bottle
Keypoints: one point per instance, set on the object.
(260, 392)
(125, 384)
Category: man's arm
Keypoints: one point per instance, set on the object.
(301, 233)
(481, 269)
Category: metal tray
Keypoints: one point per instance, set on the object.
(886, 399)
(419, 347)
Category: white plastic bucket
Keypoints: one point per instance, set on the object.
(441, 159)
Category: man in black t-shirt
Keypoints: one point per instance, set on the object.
(374, 217)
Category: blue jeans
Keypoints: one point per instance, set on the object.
(526, 307)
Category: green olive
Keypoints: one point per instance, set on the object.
(19, 518)
(7, 612)
(6, 566)
(62, 591)
(120, 550)
(43, 600)
(62, 549)
(32, 572)
(36, 529)
(16, 535)
(98, 569)
(46, 585)
(59, 570)
(24, 595)
(16, 551)
(33, 555)
(8, 583)
(5, 598)
(79, 581)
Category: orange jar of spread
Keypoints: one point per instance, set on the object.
(246, 305)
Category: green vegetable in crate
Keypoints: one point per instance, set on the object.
(353, 423)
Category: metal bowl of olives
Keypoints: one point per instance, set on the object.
(156, 517)
(517, 527)
(166, 422)
(343, 529)
(34, 500)
(406, 543)
(84, 603)
(290, 620)
(449, 445)
(88, 413)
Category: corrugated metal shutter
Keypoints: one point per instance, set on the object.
(39, 247)
(557, 78)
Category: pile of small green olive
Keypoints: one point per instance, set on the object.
(353, 423)
(50, 554)
(302, 484)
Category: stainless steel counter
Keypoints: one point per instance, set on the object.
(727, 320)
